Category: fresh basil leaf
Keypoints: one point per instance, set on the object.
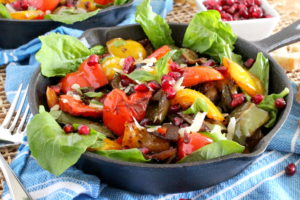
(94, 94)
(198, 106)
(64, 118)
(120, 2)
(268, 104)
(53, 149)
(98, 50)
(60, 54)
(130, 155)
(141, 75)
(207, 34)
(155, 27)
(71, 16)
(162, 64)
(4, 13)
(214, 150)
(261, 69)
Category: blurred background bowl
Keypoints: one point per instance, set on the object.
(252, 29)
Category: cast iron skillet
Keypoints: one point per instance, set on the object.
(17, 32)
(171, 178)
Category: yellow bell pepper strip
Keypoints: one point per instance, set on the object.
(88, 5)
(27, 15)
(243, 78)
(186, 97)
(107, 145)
(123, 48)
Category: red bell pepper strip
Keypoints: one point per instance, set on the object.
(103, 2)
(119, 109)
(200, 74)
(87, 76)
(190, 143)
(76, 107)
(160, 52)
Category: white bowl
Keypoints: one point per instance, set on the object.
(252, 29)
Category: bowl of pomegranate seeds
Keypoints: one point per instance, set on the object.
(249, 19)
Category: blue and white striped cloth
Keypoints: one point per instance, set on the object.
(263, 179)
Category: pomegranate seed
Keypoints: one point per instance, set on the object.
(280, 103)
(186, 138)
(230, 2)
(141, 88)
(237, 99)
(225, 8)
(129, 66)
(210, 62)
(177, 121)
(175, 67)
(125, 82)
(68, 128)
(291, 169)
(170, 92)
(236, 16)
(24, 5)
(223, 2)
(145, 150)
(257, 2)
(93, 60)
(222, 70)
(175, 75)
(167, 81)
(210, 4)
(268, 16)
(233, 8)
(255, 12)
(243, 11)
(257, 98)
(17, 5)
(175, 108)
(145, 122)
(154, 85)
(56, 89)
(226, 16)
(84, 130)
(248, 63)
(218, 8)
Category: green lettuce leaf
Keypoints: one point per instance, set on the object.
(99, 50)
(141, 75)
(198, 106)
(268, 104)
(207, 34)
(61, 54)
(214, 150)
(4, 13)
(120, 2)
(71, 16)
(261, 69)
(53, 149)
(130, 155)
(155, 27)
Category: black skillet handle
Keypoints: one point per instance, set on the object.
(286, 36)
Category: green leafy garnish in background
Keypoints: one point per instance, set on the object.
(120, 2)
(198, 106)
(214, 150)
(155, 27)
(130, 155)
(59, 150)
(61, 54)
(207, 34)
(99, 49)
(261, 69)
(4, 13)
(71, 16)
(268, 104)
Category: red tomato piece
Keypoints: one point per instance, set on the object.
(86, 76)
(119, 109)
(49, 4)
(76, 107)
(103, 2)
(200, 74)
(193, 142)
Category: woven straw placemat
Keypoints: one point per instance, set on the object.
(182, 12)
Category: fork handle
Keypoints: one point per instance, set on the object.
(16, 189)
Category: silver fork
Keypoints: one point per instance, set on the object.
(9, 132)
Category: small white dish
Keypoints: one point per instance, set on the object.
(252, 29)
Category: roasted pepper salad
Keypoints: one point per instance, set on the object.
(65, 11)
(150, 100)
